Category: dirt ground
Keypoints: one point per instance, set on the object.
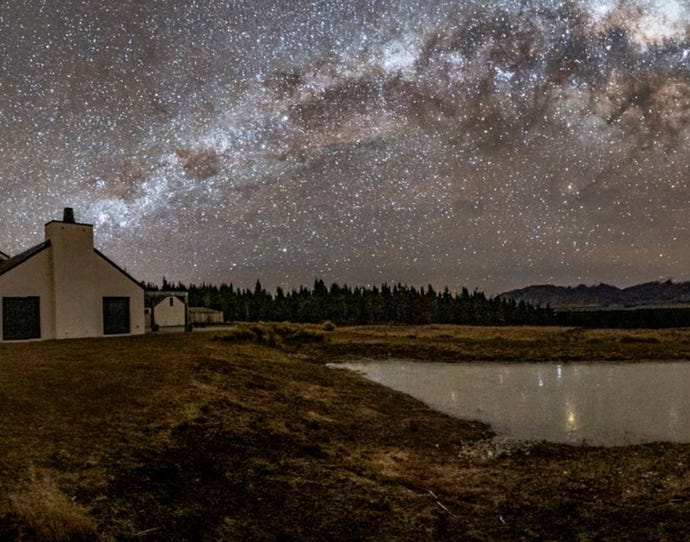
(222, 436)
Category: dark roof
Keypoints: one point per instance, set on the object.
(203, 309)
(6, 265)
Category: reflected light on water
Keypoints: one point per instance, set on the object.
(600, 403)
(570, 426)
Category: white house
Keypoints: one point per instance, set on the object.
(170, 312)
(65, 288)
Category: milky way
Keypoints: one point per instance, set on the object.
(492, 145)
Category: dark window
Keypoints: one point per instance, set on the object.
(21, 318)
(115, 315)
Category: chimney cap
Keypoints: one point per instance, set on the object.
(68, 215)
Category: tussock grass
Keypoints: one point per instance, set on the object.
(45, 513)
(276, 335)
(238, 335)
(78, 409)
(468, 343)
(328, 325)
(183, 437)
(631, 339)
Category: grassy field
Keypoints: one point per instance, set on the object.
(465, 343)
(244, 434)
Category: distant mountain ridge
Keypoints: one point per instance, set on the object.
(604, 295)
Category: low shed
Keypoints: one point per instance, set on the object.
(202, 316)
(166, 311)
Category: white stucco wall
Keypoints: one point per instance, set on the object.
(111, 282)
(78, 310)
(167, 315)
(33, 278)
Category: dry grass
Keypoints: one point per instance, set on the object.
(71, 399)
(183, 437)
(468, 343)
(45, 513)
(77, 407)
(276, 335)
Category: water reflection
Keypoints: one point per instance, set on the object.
(597, 403)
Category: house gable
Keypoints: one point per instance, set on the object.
(112, 281)
(119, 269)
(30, 275)
(19, 259)
(170, 311)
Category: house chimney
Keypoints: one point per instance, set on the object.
(68, 215)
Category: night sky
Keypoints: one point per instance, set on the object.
(487, 144)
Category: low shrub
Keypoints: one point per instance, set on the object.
(328, 325)
(285, 328)
(632, 339)
(269, 337)
(274, 335)
(303, 336)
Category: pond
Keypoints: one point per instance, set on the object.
(593, 403)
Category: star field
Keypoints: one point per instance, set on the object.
(491, 145)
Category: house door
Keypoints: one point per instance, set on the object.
(21, 318)
(115, 315)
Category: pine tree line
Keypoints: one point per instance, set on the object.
(344, 305)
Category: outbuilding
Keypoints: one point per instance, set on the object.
(202, 316)
(65, 288)
(166, 311)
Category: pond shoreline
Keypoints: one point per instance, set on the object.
(208, 436)
(600, 403)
